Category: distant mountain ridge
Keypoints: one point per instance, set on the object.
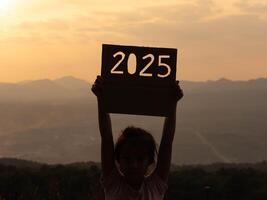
(55, 121)
(69, 87)
(225, 84)
(45, 89)
(70, 82)
(20, 163)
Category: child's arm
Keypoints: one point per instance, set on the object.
(107, 145)
(165, 149)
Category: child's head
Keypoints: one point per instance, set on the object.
(135, 150)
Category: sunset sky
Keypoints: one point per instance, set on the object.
(54, 38)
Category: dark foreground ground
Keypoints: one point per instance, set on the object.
(23, 180)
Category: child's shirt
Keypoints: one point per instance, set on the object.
(116, 188)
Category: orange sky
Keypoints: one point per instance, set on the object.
(53, 38)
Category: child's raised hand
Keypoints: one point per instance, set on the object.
(97, 87)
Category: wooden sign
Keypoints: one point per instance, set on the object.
(138, 80)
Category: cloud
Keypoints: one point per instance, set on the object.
(210, 44)
(187, 23)
(60, 15)
(182, 12)
(136, 22)
(47, 6)
(48, 25)
(183, 24)
(256, 7)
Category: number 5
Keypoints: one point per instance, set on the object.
(164, 65)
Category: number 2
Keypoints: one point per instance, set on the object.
(142, 72)
(113, 70)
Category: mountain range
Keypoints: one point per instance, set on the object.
(43, 90)
(55, 121)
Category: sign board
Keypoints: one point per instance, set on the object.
(138, 80)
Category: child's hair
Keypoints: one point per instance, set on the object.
(137, 136)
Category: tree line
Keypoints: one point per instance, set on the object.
(82, 181)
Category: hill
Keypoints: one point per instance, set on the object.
(62, 89)
(55, 121)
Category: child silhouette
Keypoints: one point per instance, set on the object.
(125, 174)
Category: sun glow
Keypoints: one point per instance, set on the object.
(5, 5)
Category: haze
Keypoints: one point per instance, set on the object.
(50, 39)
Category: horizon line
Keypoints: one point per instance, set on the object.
(74, 77)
